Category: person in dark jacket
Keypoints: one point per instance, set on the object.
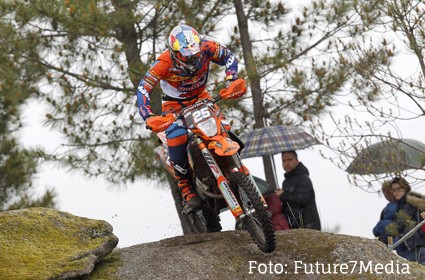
(387, 215)
(297, 194)
(407, 217)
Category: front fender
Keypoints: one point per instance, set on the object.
(223, 146)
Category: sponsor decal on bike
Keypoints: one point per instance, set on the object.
(212, 164)
(215, 170)
(187, 112)
(218, 144)
(228, 195)
(230, 149)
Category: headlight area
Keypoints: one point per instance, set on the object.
(209, 127)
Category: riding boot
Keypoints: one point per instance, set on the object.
(188, 193)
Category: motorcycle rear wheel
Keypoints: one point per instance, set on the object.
(199, 220)
(203, 220)
(256, 221)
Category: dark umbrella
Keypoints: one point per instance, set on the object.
(390, 156)
(275, 139)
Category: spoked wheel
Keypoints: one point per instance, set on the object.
(199, 220)
(256, 221)
(203, 220)
(196, 221)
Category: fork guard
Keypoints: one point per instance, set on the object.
(223, 146)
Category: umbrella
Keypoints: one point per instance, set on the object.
(390, 156)
(275, 139)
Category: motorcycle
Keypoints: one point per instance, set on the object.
(219, 177)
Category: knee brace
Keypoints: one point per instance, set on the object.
(176, 141)
(176, 135)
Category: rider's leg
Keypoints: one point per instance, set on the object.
(177, 141)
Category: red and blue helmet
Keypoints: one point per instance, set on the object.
(184, 46)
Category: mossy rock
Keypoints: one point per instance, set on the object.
(41, 243)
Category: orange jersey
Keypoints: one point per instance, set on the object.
(177, 84)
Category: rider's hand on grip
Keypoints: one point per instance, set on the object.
(236, 89)
(159, 123)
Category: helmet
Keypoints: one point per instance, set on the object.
(185, 51)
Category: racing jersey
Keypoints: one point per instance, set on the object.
(179, 85)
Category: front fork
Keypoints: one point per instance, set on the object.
(222, 182)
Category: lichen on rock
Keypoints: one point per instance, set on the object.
(41, 243)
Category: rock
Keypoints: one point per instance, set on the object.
(300, 254)
(41, 243)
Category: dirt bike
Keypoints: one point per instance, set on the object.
(218, 175)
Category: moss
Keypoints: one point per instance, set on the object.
(105, 270)
(40, 243)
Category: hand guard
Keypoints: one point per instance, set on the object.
(236, 89)
(159, 123)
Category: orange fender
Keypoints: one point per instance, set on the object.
(223, 146)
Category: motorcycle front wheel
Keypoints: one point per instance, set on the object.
(256, 220)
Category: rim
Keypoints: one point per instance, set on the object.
(253, 222)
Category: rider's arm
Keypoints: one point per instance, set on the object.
(223, 56)
(144, 89)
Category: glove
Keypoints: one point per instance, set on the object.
(159, 123)
(236, 89)
(230, 79)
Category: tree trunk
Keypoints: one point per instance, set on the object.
(254, 82)
(177, 203)
(128, 36)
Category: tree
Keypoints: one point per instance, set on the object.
(293, 63)
(91, 56)
(255, 85)
(384, 99)
(18, 165)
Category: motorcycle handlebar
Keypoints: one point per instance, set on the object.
(216, 99)
(180, 114)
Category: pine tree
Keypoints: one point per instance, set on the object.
(292, 59)
(90, 57)
(18, 165)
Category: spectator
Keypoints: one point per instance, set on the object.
(407, 217)
(297, 194)
(279, 220)
(387, 214)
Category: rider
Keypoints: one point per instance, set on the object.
(182, 71)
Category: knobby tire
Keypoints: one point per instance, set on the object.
(200, 220)
(258, 224)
